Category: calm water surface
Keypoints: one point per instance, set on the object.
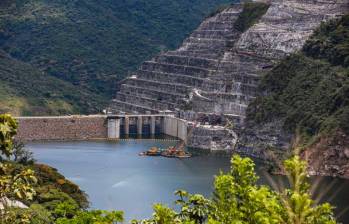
(115, 177)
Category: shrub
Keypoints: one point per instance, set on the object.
(251, 13)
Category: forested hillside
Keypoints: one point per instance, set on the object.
(92, 44)
(25, 90)
(309, 91)
(307, 97)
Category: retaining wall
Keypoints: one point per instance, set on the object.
(176, 127)
(62, 128)
(88, 127)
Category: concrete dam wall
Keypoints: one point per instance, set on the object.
(99, 127)
(62, 128)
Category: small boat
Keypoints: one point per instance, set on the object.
(181, 154)
(153, 151)
(172, 152)
(169, 152)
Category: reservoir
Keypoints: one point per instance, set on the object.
(116, 177)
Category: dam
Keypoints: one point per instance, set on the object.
(104, 127)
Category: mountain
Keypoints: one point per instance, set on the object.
(217, 69)
(94, 43)
(262, 69)
(25, 90)
(305, 102)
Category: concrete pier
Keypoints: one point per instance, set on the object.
(152, 125)
(113, 128)
(99, 127)
(139, 125)
(127, 126)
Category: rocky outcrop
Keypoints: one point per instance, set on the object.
(218, 68)
(5, 202)
(171, 79)
(329, 156)
(264, 141)
(287, 25)
(212, 138)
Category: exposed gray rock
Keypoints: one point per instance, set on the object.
(170, 79)
(217, 69)
(287, 25)
(212, 138)
(346, 153)
(11, 203)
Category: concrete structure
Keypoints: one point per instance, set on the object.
(99, 127)
(113, 128)
(62, 128)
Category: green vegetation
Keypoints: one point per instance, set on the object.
(89, 44)
(25, 90)
(14, 183)
(250, 14)
(92, 217)
(309, 91)
(331, 42)
(238, 199)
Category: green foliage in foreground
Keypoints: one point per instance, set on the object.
(96, 216)
(14, 184)
(238, 199)
(8, 129)
(40, 187)
(309, 91)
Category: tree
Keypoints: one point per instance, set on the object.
(193, 207)
(297, 202)
(14, 183)
(237, 198)
(8, 129)
(21, 155)
(162, 215)
(93, 217)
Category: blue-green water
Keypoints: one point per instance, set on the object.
(115, 177)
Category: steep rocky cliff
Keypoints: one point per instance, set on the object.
(304, 101)
(217, 70)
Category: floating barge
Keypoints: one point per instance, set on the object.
(170, 152)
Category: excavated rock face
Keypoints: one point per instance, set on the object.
(171, 79)
(212, 138)
(329, 156)
(287, 25)
(217, 69)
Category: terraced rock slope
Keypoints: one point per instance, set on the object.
(217, 69)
